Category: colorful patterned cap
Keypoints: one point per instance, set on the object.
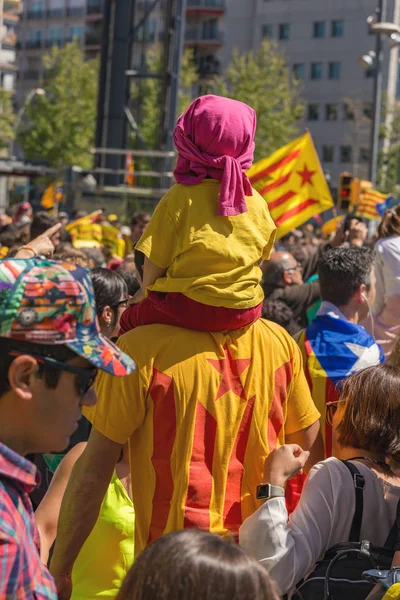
(52, 302)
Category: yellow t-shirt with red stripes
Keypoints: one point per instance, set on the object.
(201, 413)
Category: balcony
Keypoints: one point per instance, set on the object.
(33, 44)
(76, 11)
(51, 43)
(207, 66)
(205, 7)
(55, 13)
(31, 74)
(95, 8)
(35, 15)
(202, 38)
(93, 40)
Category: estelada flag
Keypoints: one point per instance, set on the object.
(53, 194)
(293, 183)
(372, 204)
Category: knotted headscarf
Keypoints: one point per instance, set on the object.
(215, 137)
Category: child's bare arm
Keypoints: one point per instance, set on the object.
(151, 273)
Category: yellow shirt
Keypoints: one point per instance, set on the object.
(213, 260)
(202, 411)
(107, 554)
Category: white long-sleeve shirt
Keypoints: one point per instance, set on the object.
(323, 517)
(387, 271)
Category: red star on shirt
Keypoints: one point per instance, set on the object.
(306, 176)
(231, 369)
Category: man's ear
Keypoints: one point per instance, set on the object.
(287, 278)
(22, 376)
(361, 293)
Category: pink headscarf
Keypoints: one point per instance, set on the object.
(215, 137)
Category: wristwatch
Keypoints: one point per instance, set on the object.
(265, 491)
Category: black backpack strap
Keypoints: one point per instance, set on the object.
(359, 484)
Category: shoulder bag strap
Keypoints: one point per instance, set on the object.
(359, 484)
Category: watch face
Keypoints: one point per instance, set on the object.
(263, 491)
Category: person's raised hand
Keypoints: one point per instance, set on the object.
(41, 245)
(284, 463)
(358, 232)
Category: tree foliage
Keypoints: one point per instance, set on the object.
(389, 157)
(147, 96)
(261, 78)
(7, 118)
(61, 124)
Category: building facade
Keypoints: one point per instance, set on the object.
(9, 18)
(323, 41)
(48, 23)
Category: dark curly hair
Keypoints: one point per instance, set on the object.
(341, 272)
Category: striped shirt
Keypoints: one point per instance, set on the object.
(22, 574)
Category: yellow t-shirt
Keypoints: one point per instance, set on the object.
(202, 411)
(213, 260)
(107, 554)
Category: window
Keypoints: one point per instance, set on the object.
(328, 154)
(299, 70)
(316, 71)
(284, 31)
(365, 155)
(56, 34)
(331, 112)
(337, 28)
(36, 35)
(346, 154)
(267, 31)
(37, 8)
(210, 29)
(313, 112)
(77, 32)
(334, 70)
(348, 112)
(367, 110)
(319, 29)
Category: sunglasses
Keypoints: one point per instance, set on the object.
(330, 409)
(85, 378)
(298, 267)
(123, 301)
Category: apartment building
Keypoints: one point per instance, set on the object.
(48, 23)
(9, 18)
(323, 41)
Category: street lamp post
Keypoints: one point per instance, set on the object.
(377, 95)
(20, 114)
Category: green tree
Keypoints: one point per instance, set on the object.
(61, 124)
(7, 118)
(261, 78)
(389, 158)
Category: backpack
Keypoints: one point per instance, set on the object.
(338, 576)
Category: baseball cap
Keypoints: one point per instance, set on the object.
(52, 302)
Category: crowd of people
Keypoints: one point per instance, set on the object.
(191, 408)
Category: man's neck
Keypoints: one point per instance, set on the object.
(13, 429)
(350, 313)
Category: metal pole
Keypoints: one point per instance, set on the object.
(377, 95)
(391, 93)
(18, 120)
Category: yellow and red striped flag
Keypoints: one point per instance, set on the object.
(293, 183)
(372, 204)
